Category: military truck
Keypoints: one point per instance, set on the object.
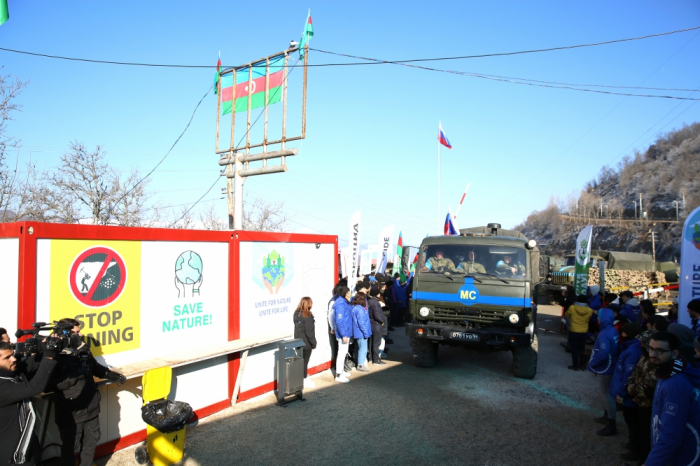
(476, 290)
(614, 260)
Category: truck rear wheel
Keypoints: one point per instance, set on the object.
(424, 352)
(525, 360)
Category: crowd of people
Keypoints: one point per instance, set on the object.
(63, 366)
(646, 366)
(359, 322)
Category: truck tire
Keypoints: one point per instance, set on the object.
(424, 352)
(525, 360)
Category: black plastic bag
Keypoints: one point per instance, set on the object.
(165, 415)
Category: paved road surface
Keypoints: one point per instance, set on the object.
(469, 410)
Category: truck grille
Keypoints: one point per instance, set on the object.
(562, 278)
(471, 314)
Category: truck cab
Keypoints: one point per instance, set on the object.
(476, 290)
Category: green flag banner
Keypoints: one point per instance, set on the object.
(5, 13)
(306, 36)
(583, 260)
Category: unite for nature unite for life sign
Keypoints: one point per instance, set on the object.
(583, 260)
(689, 280)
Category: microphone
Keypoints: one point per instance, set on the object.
(20, 333)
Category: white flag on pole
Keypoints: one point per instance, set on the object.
(385, 245)
(354, 248)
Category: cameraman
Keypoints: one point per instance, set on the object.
(77, 398)
(18, 383)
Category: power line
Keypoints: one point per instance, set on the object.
(463, 57)
(531, 82)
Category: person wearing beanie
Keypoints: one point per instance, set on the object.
(602, 363)
(685, 337)
(578, 314)
(631, 353)
(640, 387)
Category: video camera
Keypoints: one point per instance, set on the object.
(59, 339)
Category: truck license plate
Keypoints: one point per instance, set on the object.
(465, 336)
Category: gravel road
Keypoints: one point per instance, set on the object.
(469, 410)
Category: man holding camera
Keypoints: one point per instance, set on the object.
(19, 382)
(77, 398)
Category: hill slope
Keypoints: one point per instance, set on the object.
(667, 174)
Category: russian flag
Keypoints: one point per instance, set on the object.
(450, 224)
(442, 138)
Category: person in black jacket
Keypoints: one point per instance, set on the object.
(77, 399)
(19, 382)
(376, 319)
(305, 329)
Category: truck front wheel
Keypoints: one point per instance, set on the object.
(525, 360)
(424, 352)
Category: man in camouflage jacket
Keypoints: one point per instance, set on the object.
(641, 386)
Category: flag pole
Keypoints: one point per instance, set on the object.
(439, 204)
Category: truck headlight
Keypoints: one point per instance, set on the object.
(424, 311)
(514, 318)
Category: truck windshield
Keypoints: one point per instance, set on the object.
(570, 261)
(502, 261)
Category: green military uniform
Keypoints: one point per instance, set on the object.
(642, 382)
(503, 269)
(472, 267)
(441, 264)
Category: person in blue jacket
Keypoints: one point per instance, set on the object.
(361, 329)
(629, 357)
(602, 364)
(342, 326)
(675, 412)
(630, 306)
(594, 300)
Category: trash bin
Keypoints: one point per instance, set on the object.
(165, 420)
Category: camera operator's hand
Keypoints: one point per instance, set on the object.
(50, 346)
(116, 377)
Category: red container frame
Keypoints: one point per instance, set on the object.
(30, 232)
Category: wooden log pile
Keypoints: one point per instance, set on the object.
(635, 280)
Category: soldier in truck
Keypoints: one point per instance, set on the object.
(508, 266)
(470, 265)
(439, 262)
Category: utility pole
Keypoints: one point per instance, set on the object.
(676, 204)
(236, 160)
(653, 244)
(640, 205)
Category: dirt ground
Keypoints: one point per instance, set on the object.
(469, 410)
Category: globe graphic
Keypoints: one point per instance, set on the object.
(188, 268)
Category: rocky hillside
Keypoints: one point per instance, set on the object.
(667, 174)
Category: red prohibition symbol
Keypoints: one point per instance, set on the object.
(97, 276)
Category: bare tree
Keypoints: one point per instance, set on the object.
(183, 219)
(128, 204)
(260, 215)
(210, 221)
(82, 183)
(12, 195)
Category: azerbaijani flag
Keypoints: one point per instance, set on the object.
(216, 78)
(399, 252)
(443, 139)
(276, 76)
(306, 36)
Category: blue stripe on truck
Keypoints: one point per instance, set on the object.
(480, 299)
